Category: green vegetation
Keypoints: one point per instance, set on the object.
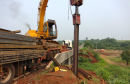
(95, 80)
(113, 74)
(117, 59)
(88, 44)
(82, 59)
(39, 76)
(108, 43)
(125, 55)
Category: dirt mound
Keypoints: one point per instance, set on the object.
(89, 56)
(92, 56)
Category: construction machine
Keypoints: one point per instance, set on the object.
(68, 43)
(47, 32)
(45, 29)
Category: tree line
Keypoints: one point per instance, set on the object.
(108, 43)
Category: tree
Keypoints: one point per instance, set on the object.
(87, 44)
(86, 38)
(125, 55)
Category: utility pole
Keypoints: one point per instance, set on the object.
(96, 46)
(76, 23)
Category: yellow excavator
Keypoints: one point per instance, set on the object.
(45, 32)
(45, 29)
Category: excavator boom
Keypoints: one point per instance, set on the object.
(41, 10)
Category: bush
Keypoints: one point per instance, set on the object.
(91, 59)
(102, 72)
(82, 59)
(96, 55)
(85, 52)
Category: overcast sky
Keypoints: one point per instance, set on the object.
(99, 18)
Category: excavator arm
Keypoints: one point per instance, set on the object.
(41, 14)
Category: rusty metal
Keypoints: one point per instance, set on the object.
(84, 73)
(76, 2)
(21, 55)
(1, 70)
(16, 46)
(5, 30)
(9, 41)
(8, 35)
(76, 19)
(52, 57)
(17, 31)
(76, 40)
(50, 44)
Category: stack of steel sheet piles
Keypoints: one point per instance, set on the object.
(16, 47)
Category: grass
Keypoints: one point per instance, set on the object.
(95, 80)
(92, 67)
(117, 59)
(113, 74)
(39, 76)
(113, 51)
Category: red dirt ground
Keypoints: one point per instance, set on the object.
(67, 78)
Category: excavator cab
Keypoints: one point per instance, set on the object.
(50, 30)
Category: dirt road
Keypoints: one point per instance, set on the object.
(108, 60)
(112, 62)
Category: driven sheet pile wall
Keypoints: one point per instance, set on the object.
(15, 47)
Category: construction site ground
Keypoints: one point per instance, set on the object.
(67, 77)
(41, 77)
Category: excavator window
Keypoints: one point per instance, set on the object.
(45, 28)
(51, 32)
